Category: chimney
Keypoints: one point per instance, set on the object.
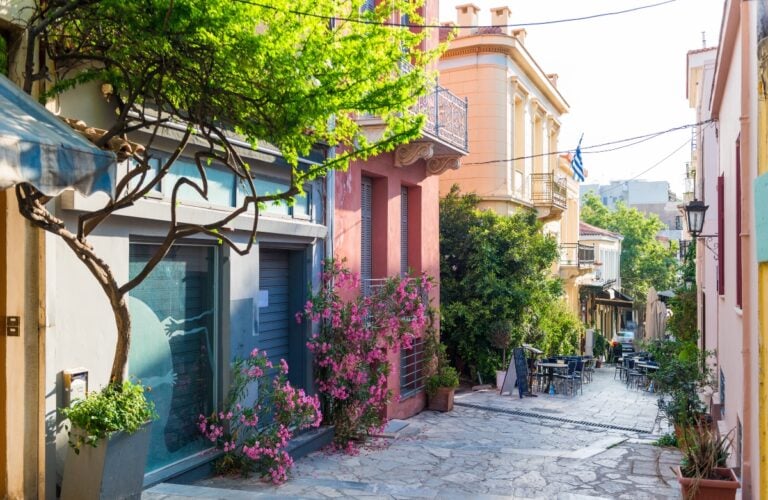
(467, 16)
(519, 35)
(553, 78)
(500, 17)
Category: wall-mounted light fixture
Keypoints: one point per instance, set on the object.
(695, 211)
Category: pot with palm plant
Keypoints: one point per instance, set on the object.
(703, 473)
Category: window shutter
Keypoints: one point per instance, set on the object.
(720, 235)
(403, 231)
(366, 226)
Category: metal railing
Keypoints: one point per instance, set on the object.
(446, 116)
(576, 254)
(446, 113)
(412, 368)
(546, 190)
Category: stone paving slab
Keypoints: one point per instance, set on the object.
(486, 454)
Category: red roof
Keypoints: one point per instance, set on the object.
(590, 230)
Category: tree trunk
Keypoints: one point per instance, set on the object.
(123, 324)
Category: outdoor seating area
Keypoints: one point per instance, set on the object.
(633, 369)
(562, 374)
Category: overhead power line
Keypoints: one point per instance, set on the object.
(589, 149)
(361, 20)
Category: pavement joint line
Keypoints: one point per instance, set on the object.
(521, 413)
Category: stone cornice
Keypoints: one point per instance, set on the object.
(514, 50)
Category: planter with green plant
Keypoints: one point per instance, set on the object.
(599, 347)
(109, 438)
(501, 337)
(443, 380)
(680, 379)
(703, 473)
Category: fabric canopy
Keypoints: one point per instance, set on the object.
(38, 148)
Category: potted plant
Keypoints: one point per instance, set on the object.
(443, 379)
(501, 336)
(680, 378)
(703, 473)
(599, 346)
(441, 387)
(109, 439)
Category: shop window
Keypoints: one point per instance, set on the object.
(175, 345)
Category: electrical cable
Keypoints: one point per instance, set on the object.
(411, 25)
(586, 149)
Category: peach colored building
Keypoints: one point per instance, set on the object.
(386, 217)
(514, 125)
(722, 87)
(514, 118)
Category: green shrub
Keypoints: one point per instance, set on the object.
(114, 409)
(667, 440)
(447, 376)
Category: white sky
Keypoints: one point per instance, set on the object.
(622, 75)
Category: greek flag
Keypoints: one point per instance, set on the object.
(576, 165)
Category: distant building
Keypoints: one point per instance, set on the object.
(649, 197)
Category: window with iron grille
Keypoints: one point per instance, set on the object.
(412, 369)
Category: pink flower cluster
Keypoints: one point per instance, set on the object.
(355, 334)
(247, 445)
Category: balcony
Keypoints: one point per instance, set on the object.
(576, 259)
(549, 195)
(446, 115)
(444, 139)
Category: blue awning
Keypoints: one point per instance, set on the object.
(38, 148)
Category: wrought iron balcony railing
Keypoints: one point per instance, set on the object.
(546, 190)
(446, 116)
(576, 254)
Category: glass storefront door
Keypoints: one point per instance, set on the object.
(174, 345)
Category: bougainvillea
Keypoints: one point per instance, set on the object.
(355, 332)
(254, 435)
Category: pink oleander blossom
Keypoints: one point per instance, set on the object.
(250, 447)
(356, 335)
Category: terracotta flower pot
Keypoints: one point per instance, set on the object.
(442, 400)
(709, 489)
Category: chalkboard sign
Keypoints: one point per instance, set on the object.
(517, 374)
(521, 369)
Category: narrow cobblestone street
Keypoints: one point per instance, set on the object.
(595, 445)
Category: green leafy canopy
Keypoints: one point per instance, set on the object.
(645, 261)
(267, 73)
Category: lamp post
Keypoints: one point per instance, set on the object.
(694, 217)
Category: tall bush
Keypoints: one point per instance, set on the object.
(493, 269)
(354, 335)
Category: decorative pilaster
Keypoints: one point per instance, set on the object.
(408, 154)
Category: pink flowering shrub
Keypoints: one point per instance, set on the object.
(350, 348)
(254, 437)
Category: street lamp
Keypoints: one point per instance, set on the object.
(694, 216)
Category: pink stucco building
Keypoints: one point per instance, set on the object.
(722, 88)
(386, 215)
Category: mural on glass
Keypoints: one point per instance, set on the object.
(173, 347)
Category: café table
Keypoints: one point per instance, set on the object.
(551, 367)
(646, 368)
